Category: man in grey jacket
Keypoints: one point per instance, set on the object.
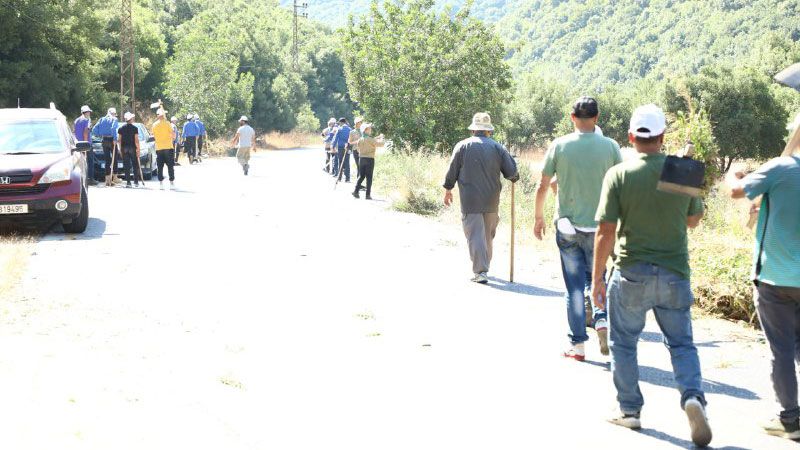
(476, 166)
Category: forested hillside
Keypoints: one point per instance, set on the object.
(597, 41)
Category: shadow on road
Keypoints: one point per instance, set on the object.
(519, 288)
(683, 443)
(665, 378)
(652, 336)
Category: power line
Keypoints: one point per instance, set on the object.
(295, 35)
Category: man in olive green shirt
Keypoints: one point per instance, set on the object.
(580, 160)
(652, 272)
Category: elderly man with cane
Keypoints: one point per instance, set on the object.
(477, 164)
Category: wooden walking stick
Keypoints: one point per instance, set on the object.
(110, 178)
(513, 219)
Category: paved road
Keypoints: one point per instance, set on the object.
(272, 312)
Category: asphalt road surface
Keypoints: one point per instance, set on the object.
(274, 312)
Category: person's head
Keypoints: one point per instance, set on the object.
(112, 112)
(189, 117)
(161, 113)
(174, 119)
(358, 121)
(342, 121)
(584, 114)
(86, 111)
(196, 117)
(128, 116)
(647, 127)
(366, 128)
(331, 122)
(481, 124)
(243, 120)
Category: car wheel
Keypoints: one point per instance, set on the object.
(148, 174)
(79, 223)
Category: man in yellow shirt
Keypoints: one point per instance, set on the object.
(165, 136)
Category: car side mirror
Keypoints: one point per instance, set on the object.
(83, 146)
(151, 139)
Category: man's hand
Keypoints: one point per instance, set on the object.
(599, 293)
(448, 198)
(539, 228)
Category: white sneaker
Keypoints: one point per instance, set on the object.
(172, 185)
(480, 278)
(161, 185)
(622, 419)
(698, 422)
(576, 352)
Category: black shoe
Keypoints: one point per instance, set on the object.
(92, 182)
(128, 184)
(355, 194)
(368, 197)
(177, 163)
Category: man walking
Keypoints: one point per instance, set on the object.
(83, 124)
(176, 140)
(580, 160)
(201, 136)
(477, 164)
(652, 272)
(777, 274)
(367, 146)
(339, 144)
(164, 134)
(106, 129)
(327, 138)
(129, 142)
(190, 133)
(352, 141)
(244, 140)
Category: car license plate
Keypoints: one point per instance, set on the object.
(13, 209)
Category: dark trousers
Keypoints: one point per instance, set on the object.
(365, 168)
(108, 148)
(90, 164)
(200, 141)
(779, 312)
(165, 157)
(343, 163)
(176, 151)
(190, 146)
(130, 161)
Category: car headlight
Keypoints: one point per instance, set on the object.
(59, 171)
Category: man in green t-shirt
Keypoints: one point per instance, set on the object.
(777, 273)
(652, 272)
(580, 160)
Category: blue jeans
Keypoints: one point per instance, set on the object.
(633, 291)
(343, 163)
(577, 253)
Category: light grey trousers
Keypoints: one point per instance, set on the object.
(480, 230)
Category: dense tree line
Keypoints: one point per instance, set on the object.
(220, 59)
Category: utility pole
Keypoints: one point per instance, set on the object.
(127, 64)
(295, 36)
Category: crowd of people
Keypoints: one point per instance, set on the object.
(120, 142)
(608, 207)
(341, 140)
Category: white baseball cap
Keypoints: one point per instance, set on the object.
(173, 119)
(196, 117)
(112, 111)
(128, 116)
(648, 121)
(358, 120)
(85, 109)
(365, 126)
(189, 117)
(243, 119)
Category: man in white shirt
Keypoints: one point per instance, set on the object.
(244, 141)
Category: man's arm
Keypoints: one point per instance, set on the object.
(541, 196)
(604, 241)
(694, 221)
(509, 167)
(452, 176)
(86, 131)
(235, 139)
(733, 181)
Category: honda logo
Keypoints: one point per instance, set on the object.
(5, 180)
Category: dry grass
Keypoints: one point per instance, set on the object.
(14, 254)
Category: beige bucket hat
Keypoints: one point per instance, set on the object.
(481, 122)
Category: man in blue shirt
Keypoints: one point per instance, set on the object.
(106, 129)
(83, 125)
(776, 272)
(339, 143)
(201, 137)
(190, 133)
(177, 140)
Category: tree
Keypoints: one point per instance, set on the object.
(748, 121)
(539, 105)
(420, 76)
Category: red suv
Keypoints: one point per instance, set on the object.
(42, 169)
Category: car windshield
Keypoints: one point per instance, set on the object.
(39, 136)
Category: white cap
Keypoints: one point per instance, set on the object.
(331, 121)
(358, 120)
(189, 117)
(85, 109)
(112, 111)
(648, 121)
(365, 126)
(128, 116)
(173, 119)
(196, 117)
(243, 119)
